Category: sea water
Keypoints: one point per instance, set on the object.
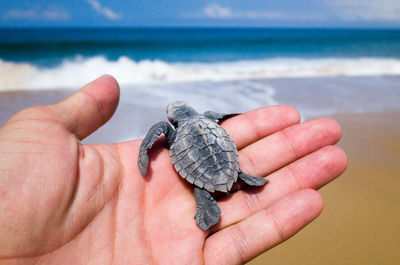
(67, 58)
(319, 71)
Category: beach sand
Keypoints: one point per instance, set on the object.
(360, 223)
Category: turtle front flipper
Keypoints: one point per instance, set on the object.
(218, 117)
(252, 180)
(207, 212)
(155, 131)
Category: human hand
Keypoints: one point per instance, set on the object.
(63, 202)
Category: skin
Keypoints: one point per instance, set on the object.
(63, 202)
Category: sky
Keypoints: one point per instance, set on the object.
(213, 13)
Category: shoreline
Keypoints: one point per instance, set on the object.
(394, 78)
(313, 97)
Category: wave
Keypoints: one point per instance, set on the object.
(75, 73)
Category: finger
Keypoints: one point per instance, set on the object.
(312, 171)
(89, 108)
(284, 147)
(265, 229)
(256, 124)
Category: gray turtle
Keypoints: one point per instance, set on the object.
(202, 153)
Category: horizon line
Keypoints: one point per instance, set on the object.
(196, 27)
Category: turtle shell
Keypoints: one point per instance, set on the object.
(204, 154)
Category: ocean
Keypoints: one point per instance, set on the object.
(319, 71)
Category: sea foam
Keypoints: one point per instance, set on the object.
(73, 73)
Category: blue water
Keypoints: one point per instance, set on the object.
(49, 47)
(318, 71)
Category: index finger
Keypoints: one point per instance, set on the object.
(259, 123)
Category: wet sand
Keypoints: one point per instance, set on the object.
(360, 223)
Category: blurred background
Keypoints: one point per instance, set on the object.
(332, 58)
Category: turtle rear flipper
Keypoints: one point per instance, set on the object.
(252, 180)
(207, 212)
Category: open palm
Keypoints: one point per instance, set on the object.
(62, 202)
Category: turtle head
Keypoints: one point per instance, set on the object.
(178, 111)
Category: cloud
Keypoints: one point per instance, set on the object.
(223, 12)
(51, 14)
(105, 11)
(20, 14)
(217, 11)
(325, 11)
(55, 15)
(372, 10)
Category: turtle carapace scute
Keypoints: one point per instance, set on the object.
(203, 153)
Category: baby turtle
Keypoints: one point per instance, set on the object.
(202, 153)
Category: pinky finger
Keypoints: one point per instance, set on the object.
(243, 241)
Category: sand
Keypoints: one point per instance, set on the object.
(360, 223)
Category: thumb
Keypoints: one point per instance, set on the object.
(90, 107)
